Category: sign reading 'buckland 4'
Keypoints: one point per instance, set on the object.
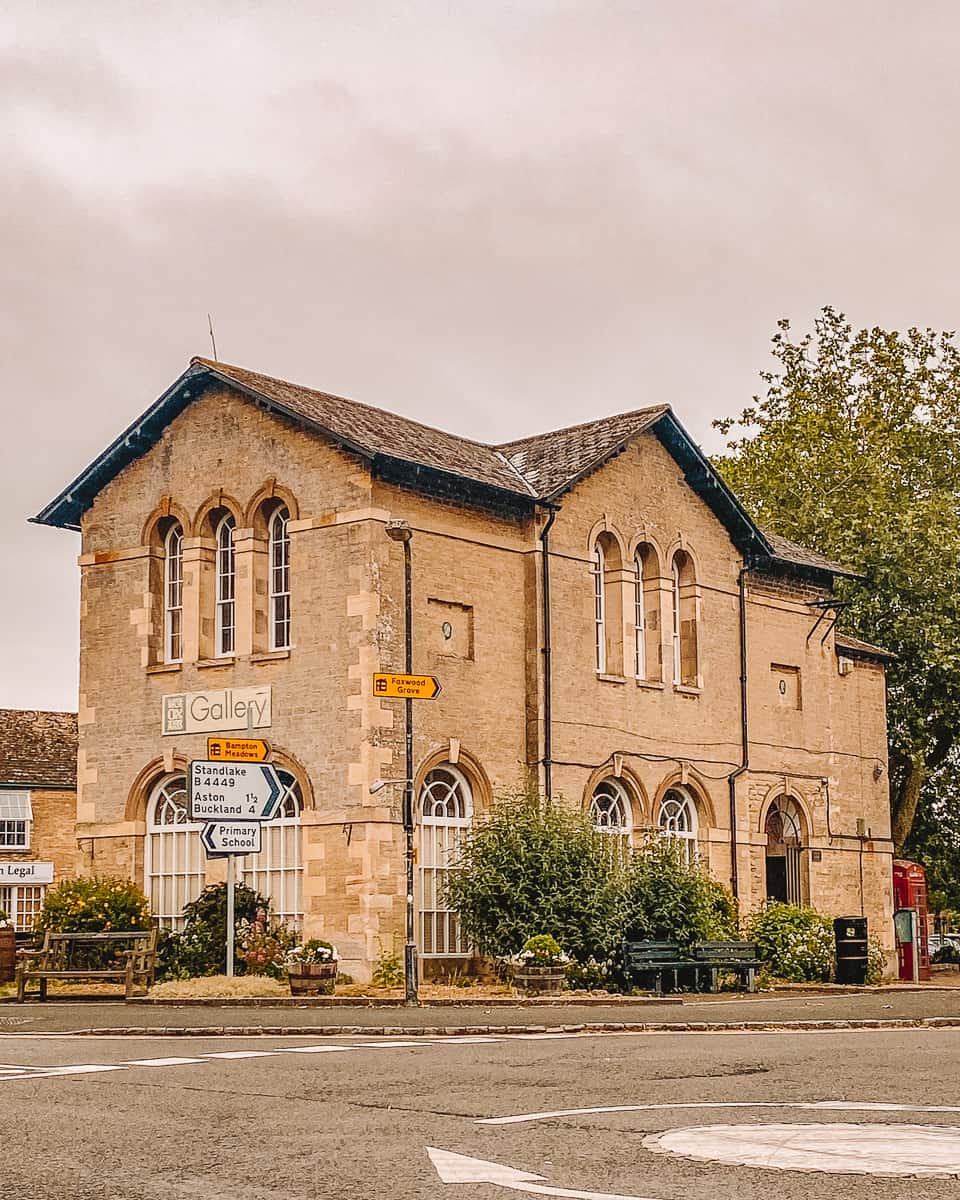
(208, 712)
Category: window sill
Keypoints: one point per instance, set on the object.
(684, 689)
(204, 664)
(653, 685)
(269, 656)
(611, 678)
(164, 668)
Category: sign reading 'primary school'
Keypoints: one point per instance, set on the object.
(208, 712)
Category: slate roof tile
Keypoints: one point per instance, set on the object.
(38, 749)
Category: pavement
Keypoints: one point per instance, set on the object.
(738, 1115)
(892, 1005)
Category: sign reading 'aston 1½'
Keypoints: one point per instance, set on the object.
(224, 791)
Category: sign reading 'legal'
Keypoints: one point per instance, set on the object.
(223, 791)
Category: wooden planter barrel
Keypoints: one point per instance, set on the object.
(539, 981)
(312, 979)
(8, 954)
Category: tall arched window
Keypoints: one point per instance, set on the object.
(277, 871)
(280, 579)
(686, 665)
(677, 819)
(173, 595)
(607, 574)
(784, 830)
(446, 811)
(173, 857)
(646, 619)
(226, 615)
(610, 811)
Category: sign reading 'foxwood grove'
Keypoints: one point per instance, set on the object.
(207, 712)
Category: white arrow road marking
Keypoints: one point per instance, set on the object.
(459, 1168)
(813, 1106)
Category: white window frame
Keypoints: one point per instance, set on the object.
(277, 871)
(639, 622)
(226, 613)
(279, 584)
(440, 836)
(173, 858)
(677, 678)
(173, 595)
(599, 609)
(16, 809)
(679, 821)
(22, 903)
(611, 812)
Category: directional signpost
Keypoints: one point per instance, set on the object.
(233, 797)
(406, 687)
(235, 749)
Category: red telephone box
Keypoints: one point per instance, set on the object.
(910, 892)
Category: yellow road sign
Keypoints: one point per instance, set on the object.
(406, 687)
(233, 749)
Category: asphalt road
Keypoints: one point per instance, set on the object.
(279, 1118)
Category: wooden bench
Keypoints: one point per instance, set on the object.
(73, 956)
(738, 957)
(653, 958)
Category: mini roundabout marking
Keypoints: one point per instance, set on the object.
(837, 1148)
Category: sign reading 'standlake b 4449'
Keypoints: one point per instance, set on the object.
(239, 791)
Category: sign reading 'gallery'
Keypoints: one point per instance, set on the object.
(208, 712)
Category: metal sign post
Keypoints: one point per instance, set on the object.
(231, 904)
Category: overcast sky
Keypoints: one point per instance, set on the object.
(497, 217)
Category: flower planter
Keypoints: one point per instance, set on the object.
(539, 981)
(8, 954)
(312, 979)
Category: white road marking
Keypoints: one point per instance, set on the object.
(242, 1054)
(315, 1049)
(839, 1149)
(811, 1105)
(459, 1168)
(160, 1062)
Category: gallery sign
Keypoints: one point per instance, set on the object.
(26, 872)
(208, 712)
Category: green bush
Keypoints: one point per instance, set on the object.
(666, 898)
(528, 869)
(94, 905)
(797, 944)
(200, 948)
(542, 950)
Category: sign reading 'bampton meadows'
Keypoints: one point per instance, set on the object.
(208, 712)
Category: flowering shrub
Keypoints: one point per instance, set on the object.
(263, 946)
(876, 960)
(312, 951)
(541, 950)
(591, 976)
(4, 919)
(94, 905)
(797, 944)
(200, 947)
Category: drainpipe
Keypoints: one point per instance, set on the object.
(546, 651)
(744, 739)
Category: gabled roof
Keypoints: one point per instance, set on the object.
(37, 749)
(531, 470)
(847, 644)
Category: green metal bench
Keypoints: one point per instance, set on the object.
(708, 958)
(737, 957)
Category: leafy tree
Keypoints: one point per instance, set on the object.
(855, 450)
(665, 898)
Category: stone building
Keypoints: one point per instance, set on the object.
(38, 808)
(604, 616)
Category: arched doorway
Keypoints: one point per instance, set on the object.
(784, 830)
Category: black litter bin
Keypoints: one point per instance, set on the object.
(851, 938)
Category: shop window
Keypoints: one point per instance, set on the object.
(446, 812)
(22, 905)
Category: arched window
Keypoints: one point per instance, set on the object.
(446, 810)
(607, 574)
(226, 615)
(677, 819)
(279, 558)
(784, 830)
(173, 595)
(173, 857)
(277, 871)
(646, 619)
(686, 666)
(610, 811)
